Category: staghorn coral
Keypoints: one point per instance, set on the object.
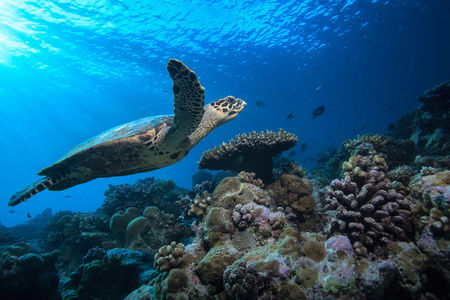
(368, 209)
(249, 152)
(169, 257)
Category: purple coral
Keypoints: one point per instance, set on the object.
(242, 216)
(369, 210)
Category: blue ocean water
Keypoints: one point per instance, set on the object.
(71, 69)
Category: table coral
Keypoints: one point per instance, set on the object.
(249, 152)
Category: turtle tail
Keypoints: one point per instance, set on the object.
(31, 190)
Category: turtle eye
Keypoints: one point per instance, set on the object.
(232, 100)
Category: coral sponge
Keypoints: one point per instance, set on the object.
(249, 152)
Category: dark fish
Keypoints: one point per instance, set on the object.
(392, 106)
(28, 215)
(363, 126)
(67, 196)
(12, 211)
(292, 153)
(303, 147)
(318, 111)
(260, 104)
(290, 116)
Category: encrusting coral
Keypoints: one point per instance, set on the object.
(249, 152)
(293, 192)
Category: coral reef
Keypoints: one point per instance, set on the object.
(31, 228)
(118, 272)
(153, 230)
(434, 189)
(27, 274)
(143, 193)
(397, 152)
(428, 126)
(80, 231)
(249, 152)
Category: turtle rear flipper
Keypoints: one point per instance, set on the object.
(31, 190)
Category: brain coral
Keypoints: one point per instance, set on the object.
(249, 152)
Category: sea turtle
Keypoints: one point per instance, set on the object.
(143, 145)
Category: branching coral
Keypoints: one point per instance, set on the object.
(369, 210)
(249, 152)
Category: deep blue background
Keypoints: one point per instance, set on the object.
(72, 69)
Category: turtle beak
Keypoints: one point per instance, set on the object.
(235, 104)
(243, 103)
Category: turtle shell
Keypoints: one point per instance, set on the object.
(121, 150)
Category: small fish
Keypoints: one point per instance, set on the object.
(311, 99)
(292, 153)
(28, 215)
(67, 196)
(363, 126)
(276, 93)
(260, 104)
(12, 211)
(318, 111)
(319, 87)
(392, 106)
(290, 116)
(304, 146)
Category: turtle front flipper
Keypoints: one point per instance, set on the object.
(31, 190)
(189, 98)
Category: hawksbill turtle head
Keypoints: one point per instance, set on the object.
(216, 114)
(225, 109)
